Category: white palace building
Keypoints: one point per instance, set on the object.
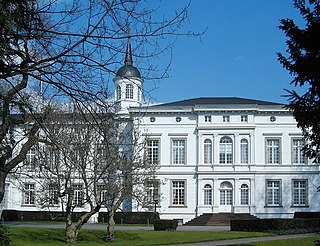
(219, 155)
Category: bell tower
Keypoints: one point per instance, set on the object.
(128, 84)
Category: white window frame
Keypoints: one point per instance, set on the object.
(207, 151)
(224, 150)
(78, 195)
(53, 194)
(273, 151)
(207, 194)
(226, 193)
(297, 156)
(153, 191)
(29, 194)
(273, 193)
(153, 151)
(300, 193)
(244, 151)
(178, 193)
(119, 92)
(129, 91)
(178, 152)
(244, 194)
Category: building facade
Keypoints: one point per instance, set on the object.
(214, 155)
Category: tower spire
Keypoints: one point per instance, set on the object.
(128, 58)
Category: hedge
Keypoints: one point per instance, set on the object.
(165, 225)
(262, 225)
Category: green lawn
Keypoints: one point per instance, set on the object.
(36, 236)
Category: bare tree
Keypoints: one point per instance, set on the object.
(70, 48)
(86, 165)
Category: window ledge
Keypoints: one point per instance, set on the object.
(299, 206)
(273, 206)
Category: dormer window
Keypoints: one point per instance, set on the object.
(129, 91)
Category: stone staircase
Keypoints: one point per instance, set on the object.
(218, 219)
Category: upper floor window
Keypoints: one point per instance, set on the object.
(244, 118)
(207, 118)
(153, 151)
(178, 193)
(129, 91)
(226, 118)
(207, 158)
(273, 151)
(273, 193)
(178, 151)
(244, 196)
(226, 153)
(244, 151)
(207, 194)
(30, 157)
(299, 192)
(297, 153)
(118, 92)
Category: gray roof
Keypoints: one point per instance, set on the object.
(216, 101)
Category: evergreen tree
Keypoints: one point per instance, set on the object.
(303, 63)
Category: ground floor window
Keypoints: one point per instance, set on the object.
(78, 195)
(273, 193)
(244, 196)
(226, 193)
(207, 194)
(299, 192)
(178, 193)
(29, 194)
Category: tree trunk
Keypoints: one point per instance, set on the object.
(110, 227)
(72, 235)
(3, 176)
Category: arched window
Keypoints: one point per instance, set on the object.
(244, 151)
(244, 190)
(207, 158)
(226, 153)
(118, 92)
(226, 193)
(207, 194)
(129, 91)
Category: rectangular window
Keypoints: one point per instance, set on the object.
(53, 194)
(244, 118)
(297, 153)
(77, 195)
(244, 196)
(226, 118)
(103, 193)
(273, 193)
(300, 193)
(30, 158)
(273, 151)
(153, 191)
(178, 193)
(153, 151)
(207, 118)
(29, 194)
(244, 151)
(178, 151)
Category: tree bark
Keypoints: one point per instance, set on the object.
(3, 175)
(110, 227)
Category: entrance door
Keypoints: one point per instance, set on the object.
(226, 197)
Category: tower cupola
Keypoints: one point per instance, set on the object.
(128, 83)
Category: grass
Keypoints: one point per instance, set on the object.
(42, 236)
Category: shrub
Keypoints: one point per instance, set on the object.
(264, 225)
(165, 225)
(4, 236)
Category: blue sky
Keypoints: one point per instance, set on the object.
(236, 57)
